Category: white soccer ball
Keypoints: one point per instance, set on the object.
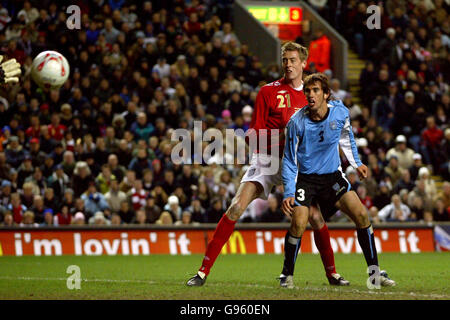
(50, 70)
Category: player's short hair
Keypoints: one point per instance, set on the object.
(293, 46)
(318, 77)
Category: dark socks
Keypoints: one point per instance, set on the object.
(366, 239)
(291, 247)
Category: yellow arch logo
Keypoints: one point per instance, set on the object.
(235, 239)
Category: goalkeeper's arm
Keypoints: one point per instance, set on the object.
(9, 71)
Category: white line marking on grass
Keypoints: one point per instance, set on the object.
(84, 280)
(378, 292)
(306, 289)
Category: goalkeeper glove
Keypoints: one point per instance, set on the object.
(9, 71)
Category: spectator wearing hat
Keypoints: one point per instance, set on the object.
(415, 167)
(79, 219)
(430, 186)
(99, 219)
(48, 219)
(247, 112)
(173, 207)
(226, 119)
(402, 152)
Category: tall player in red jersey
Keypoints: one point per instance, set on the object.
(275, 104)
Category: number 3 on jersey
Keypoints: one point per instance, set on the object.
(281, 101)
(301, 194)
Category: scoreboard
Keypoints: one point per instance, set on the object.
(283, 21)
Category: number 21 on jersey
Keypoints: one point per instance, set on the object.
(283, 101)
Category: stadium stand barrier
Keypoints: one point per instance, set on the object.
(255, 34)
(338, 44)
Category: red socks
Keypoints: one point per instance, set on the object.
(224, 229)
(322, 240)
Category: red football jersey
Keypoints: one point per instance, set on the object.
(275, 103)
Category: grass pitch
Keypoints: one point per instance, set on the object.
(249, 277)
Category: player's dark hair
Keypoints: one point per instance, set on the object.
(322, 79)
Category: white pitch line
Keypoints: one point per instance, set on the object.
(84, 280)
(378, 292)
(413, 294)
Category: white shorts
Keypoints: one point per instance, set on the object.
(261, 172)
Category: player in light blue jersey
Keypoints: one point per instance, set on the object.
(312, 174)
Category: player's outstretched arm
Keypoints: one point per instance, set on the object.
(9, 71)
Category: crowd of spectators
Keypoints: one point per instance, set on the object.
(402, 124)
(98, 151)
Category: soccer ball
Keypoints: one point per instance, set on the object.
(50, 70)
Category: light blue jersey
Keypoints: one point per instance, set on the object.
(312, 147)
